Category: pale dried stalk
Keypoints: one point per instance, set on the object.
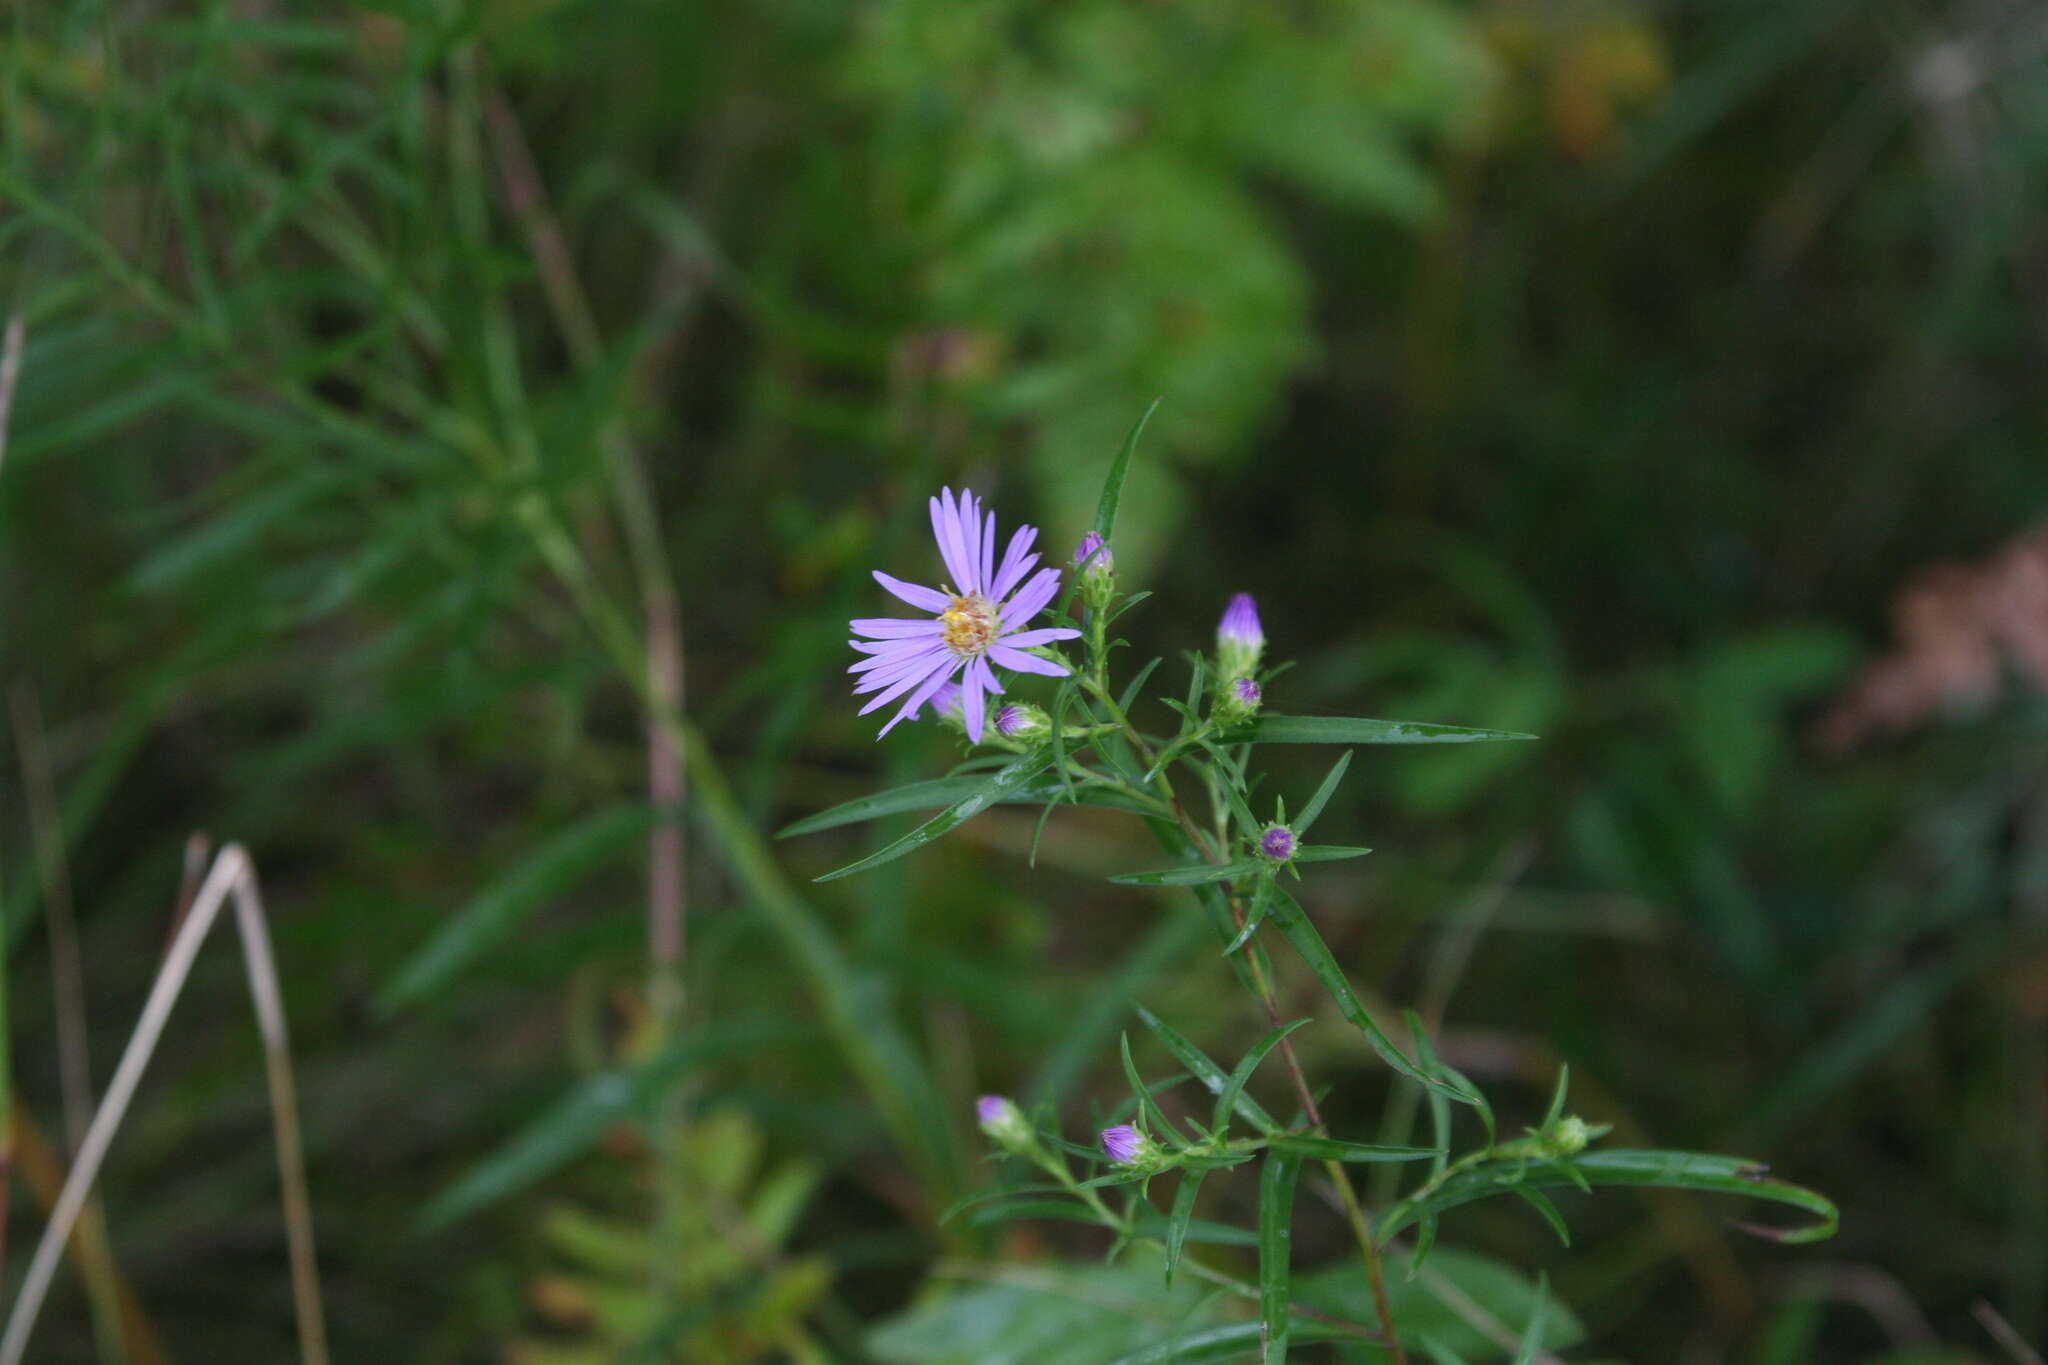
(67, 989)
(232, 875)
(10, 373)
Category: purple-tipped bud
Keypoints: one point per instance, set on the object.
(1247, 692)
(1124, 1144)
(945, 705)
(1277, 843)
(1097, 570)
(1239, 641)
(1240, 625)
(1020, 720)
(1091, 553)
(1003, 1122)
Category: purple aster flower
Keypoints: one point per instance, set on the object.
(1239, 627)
(1277, 843)
(1124, 1144)
(1247, 692)
(992, 1109)
(978, 620)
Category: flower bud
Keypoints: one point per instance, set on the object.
(1004, 1123)
(945, 704)
(1020, 720)
(1237, 700)
(1566, 1137)
(1125, 1146)
(1278, 843)
(1092, 560)
(1239, 640)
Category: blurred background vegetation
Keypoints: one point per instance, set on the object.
(1598, 368)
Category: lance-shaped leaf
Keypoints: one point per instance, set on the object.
(1301, 932)
(999, 787)
(1113, 485)
(1227, 1101)
(1327, 853)
(1703, 1172)
(1193, 875)
(1333, 1149)
(1203, 1069)
(1276, 1237)
(1322, 797)
(946, 791)
(1275, 729)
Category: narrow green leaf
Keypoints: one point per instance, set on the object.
(488, 917)
(1323, 793)
(1231, 1342)
(945, 791)
(1255, 915)
(1533, 1337)
(1274, 729)
(1425, 1238)
(1183, 1213)
(1113, 486)
(1276, 1233)
(1441, 1354)
(1327, 853)
(1202, 1068)
(1032, 1208)
(1557, 1097)
(1539, 1201)
(1301, 932)
(1150, 1117)
(1130, 693)
(1439, 1108)
(1226, 1103)
(1191, 876)
(968, 1201)
(1334, 1149)
(1006, 782)
(1702, 1172)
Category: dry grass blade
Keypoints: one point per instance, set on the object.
(233, 876)
(67, 987)
(10, 373)
(2002, 1332)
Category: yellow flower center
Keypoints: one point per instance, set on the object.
(968, 626)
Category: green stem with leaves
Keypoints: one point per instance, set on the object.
(1355, 1216)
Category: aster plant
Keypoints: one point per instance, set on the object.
(995, 624)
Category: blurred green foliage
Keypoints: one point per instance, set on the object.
(1596, 369)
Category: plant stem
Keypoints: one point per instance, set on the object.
(1262, 986)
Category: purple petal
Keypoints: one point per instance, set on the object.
(985, 571)
(911, 680)
(946, 531)
(972, 698)
(905, 649)
(1032, 598)
(918, 698)
(1044, 635)
(1017, 661)
(893, 628)
(1017, 561)
(924, 599)
(914, 665)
